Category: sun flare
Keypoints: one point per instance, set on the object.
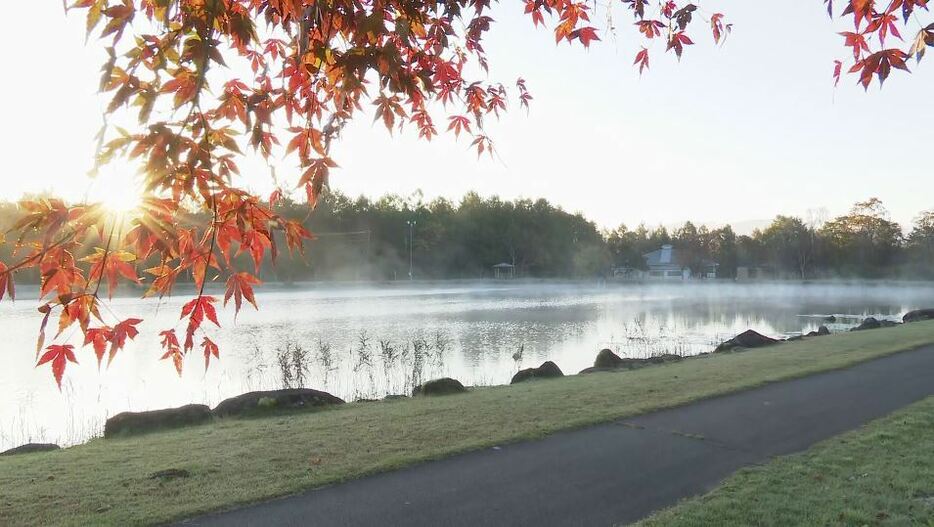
(118, 190)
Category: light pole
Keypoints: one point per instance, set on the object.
(411, 224)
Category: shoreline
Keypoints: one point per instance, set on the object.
(246, 460)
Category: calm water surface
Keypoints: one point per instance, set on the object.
(366, 342)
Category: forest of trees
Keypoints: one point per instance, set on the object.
(363, 239)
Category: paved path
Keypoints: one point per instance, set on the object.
(614, 473)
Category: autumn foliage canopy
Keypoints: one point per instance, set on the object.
(207, 82)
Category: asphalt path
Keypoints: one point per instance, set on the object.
(614, 473)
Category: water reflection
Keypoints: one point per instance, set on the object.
(361, 342)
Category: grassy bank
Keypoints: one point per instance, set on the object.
(233, 462)
(882, 474)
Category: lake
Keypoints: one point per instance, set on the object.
(369, 341)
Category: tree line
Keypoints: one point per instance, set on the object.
(382, 239)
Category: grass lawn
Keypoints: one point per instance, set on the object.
(882, 474)
(237, 461)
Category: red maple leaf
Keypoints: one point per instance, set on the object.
(99, 337)
(122, 331)
(59, 356)
(210, 348)
(240, 286)
(172, 350)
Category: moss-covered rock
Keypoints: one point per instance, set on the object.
(289, 399)
(30, 448)
(747, 339)
(443, 386)
(548, 370)
(128, 423)
(918, 315)
(607, 359)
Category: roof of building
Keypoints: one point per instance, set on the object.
(668, 256)
(503, 265)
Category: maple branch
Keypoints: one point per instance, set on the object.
(39, 254)
(100, 277)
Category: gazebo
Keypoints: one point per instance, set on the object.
(504, 271)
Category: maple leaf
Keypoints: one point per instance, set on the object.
(196, 311)
(716, 26)
(856, 41)
(275, 197)
(256, 242)
(112, 266)
(295, 234)
(172, 350)
(6, 282)
(315, 178)
(642, 59)
(923, 39)
(210, 348)
(650, 28)
(240, 286)
(837, 66)
(586, 35)
(78, 309)
(458, 123)
(678, 41)
(99, 337)
(59, 356)
(122, 331)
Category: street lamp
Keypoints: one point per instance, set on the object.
(411, 224)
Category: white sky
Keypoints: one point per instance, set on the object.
(741, 132)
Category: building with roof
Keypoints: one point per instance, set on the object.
(504, 271)
(668, 263)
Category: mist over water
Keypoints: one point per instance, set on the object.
(370, 341)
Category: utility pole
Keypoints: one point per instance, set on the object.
(411, 225)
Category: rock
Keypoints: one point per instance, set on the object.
(830, 318)
(444, 386)
(30, 448)
(797, 337)
(867, 323)
(395, 397)
(821, 331)
(128, 423)
(548, 370)
(747, 339)
(607, 359)
(918, 315)
(288, 399)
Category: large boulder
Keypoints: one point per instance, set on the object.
(29, 448)
(821, 331)
(128, 423)
(918, 315)
(443, 386)
(548, 370)
(867, 323)
(747, 339)
(607, 359)
(288, 399)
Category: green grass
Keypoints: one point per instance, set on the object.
(235, 462)
(882, 474)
